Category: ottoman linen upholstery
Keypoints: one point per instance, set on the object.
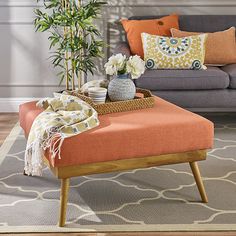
(161, 135)
(163, 129)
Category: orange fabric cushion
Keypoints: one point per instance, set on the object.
(163, 129)
(134, 28)
(27, 113)
(220, 46)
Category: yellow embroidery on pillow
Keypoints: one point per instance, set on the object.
(174, 53)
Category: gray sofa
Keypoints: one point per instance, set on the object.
(213, 89)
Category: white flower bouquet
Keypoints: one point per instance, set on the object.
(119, 65)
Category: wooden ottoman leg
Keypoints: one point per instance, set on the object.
(65, 184)
(198, 179)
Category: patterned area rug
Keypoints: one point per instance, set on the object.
(155, 199)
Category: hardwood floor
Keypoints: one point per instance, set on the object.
(7, 122)
(135, 234)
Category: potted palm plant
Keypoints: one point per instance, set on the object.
(74, 38)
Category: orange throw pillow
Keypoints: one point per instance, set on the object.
(220, 46)
(134, 28)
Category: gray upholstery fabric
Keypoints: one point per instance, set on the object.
(200, 23)
(231, 70)
(212, 78)
(195, 89)
(123, 48)
(224, 98)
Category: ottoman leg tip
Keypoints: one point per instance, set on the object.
(198, 179)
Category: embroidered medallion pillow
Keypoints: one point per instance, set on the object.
(220, 46)
(174, 53)
(134, 28)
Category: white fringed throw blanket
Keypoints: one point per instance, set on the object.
(64, 116)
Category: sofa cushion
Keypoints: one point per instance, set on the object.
(224, 41)
(231, 70)
(212, 78)
(202, 100)
(174, 53)
(198, 23)
(134, 28)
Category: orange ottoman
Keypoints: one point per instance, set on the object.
(165, 134)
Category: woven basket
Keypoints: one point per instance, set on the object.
(139, 102)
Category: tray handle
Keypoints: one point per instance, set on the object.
(84, 98)
(146, 93)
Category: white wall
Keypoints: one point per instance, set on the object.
(24, 68)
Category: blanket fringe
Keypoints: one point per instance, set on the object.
(33, 159)
(34, 153)
(55, 149)
(61, 119)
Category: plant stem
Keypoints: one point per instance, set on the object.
(72, 50)
(73, 36)
(80, 53)
(64, 6)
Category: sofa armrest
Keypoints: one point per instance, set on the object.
(123, 48)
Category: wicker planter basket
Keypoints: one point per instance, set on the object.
(146, 100)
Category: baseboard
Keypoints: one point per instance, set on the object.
(12, 104)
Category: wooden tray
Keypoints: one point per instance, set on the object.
(143, 99)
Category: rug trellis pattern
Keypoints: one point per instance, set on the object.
(154, 196)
